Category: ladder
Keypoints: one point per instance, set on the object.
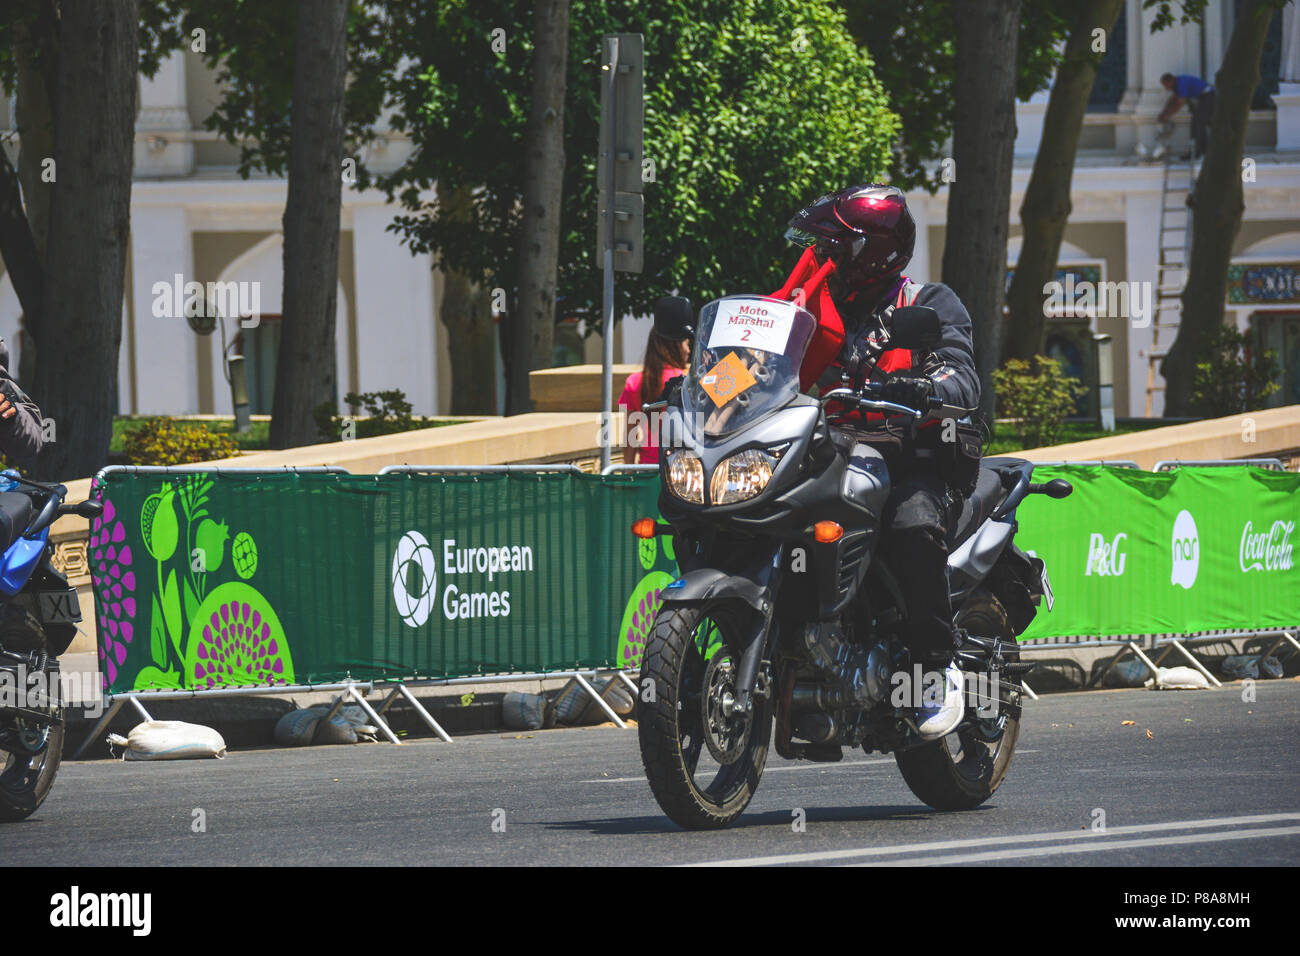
(1171, 272)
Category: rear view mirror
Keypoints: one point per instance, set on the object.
(915, 327)
(90, 509)
(675, 317)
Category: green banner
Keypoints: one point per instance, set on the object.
(217, 580)
(1195, 549)
(207, 580)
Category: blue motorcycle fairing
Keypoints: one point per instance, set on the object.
(20, 561)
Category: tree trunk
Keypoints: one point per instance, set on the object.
(75, 379)
(305, 369)
(466, 314)
(1219, 205)
(533, 327)
(1046, 207)
(36, 49)
(979, 200)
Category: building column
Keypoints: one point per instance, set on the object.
(1126, 132)
(1142, 245)
(919, 268)
(396, 321)
(1287, 98)
(1175, 49)
(163, 113)
(166, 360)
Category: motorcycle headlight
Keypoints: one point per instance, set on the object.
(742, 476)
(686, 476)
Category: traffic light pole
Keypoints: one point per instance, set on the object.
(607, 371)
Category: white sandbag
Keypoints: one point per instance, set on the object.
(1178, 678)
(297, 728)
(523, 711)
(169, 740)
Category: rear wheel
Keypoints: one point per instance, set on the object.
(703, 759)
(965, 768)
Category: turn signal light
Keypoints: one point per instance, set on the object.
(827, 532)
(644, 527)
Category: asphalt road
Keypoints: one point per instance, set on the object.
(1217, 782)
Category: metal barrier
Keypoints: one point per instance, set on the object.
(349, 689)
(1116, 463)
(1180, 644)
(1273, 464)
(1145, 647)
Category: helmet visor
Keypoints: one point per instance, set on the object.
(801, 237)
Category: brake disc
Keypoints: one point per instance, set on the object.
(726, 731)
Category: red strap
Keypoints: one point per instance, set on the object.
(828, 339)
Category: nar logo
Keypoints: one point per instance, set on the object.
(1186, 550)
(1106, 557)
(1266, 551)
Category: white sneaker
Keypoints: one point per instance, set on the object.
(935, 722)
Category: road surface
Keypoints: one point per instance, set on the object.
(1216, 782)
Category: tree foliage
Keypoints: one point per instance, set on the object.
(1235, 376)
(913, 46)
(751, 109)
(1037, 396)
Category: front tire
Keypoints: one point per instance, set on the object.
(25, 781)
(28, 768)
(965, 768)
(689, 780)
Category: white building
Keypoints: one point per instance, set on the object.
(192, 216)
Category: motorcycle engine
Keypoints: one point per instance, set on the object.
(853, 677)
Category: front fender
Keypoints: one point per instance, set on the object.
(710, 584)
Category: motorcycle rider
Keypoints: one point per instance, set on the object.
(21, 437)
(869, 234)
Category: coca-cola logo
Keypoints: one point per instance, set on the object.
(1266, 550)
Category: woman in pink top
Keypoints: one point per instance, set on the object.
(665, 359)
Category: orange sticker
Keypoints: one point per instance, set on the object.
(727, 379)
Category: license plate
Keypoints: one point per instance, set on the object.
(59, 607)
(1048, 599)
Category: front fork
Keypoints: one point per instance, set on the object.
(751, 679)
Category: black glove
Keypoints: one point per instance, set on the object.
(914, 391)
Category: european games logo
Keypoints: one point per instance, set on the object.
(414, 576)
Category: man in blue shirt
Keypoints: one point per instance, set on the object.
(1199, 96)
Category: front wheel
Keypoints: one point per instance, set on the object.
(702, 759)
(30, 748)
(29, 767)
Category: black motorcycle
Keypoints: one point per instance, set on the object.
(39, 613)
(785, 611)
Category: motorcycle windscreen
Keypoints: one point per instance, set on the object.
(745, 361)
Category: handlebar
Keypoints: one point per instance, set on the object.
(848, 395)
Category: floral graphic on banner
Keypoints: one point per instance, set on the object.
(110, 569)
(204, 634)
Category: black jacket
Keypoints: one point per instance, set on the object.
(951, 366)
(21, 438)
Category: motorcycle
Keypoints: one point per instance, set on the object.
(785, 613)
(39, 613)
